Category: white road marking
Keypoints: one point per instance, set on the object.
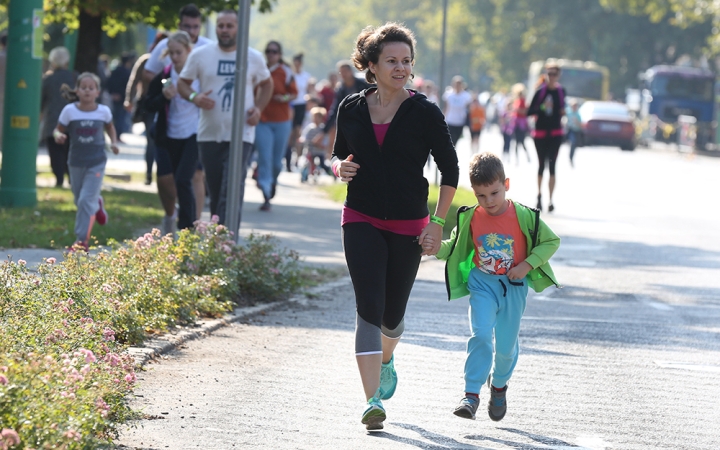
(657, 305)
(688, 366)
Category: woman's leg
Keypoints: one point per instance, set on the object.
(552, 153)
(263, 143)
(198, 184)
(184, 157)
(281, 134)
(366, 253)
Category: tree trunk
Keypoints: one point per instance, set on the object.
(88, 46)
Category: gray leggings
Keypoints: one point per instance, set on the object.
(85, 183)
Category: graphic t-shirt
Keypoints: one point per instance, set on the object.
(499, 241)
(86, 131)
(215, 69)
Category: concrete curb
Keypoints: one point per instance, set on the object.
(161, 345)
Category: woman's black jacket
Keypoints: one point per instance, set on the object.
(157, 103)
(390, 183)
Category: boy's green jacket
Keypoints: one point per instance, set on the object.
(458, 251)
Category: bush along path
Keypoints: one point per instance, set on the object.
(65, 370)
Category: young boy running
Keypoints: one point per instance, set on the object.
(497, 250)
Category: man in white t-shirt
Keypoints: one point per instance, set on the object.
(457, 104)
(213, 66)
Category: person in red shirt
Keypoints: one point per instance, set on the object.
(273, 131)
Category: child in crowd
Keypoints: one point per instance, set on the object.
(476, 117)
(314, 153)
(85, 122)
(498, 249)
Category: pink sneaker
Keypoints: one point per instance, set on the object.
(101, 214)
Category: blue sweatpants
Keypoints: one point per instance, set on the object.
(496, 308)
(85, 183)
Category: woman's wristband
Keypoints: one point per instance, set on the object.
(192, 96)
(438, 220)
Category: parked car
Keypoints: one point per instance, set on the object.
(607, 123)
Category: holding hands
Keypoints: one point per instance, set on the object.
(430, 239)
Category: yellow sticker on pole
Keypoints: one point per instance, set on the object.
(20, 122)
(22, 84)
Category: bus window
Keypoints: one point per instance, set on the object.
(582, 83)
(691, 88)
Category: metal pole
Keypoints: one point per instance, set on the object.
(235, 168)
(441, 81)
(22, 103)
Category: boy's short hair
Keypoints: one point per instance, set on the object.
(318, 110)
(485, 169)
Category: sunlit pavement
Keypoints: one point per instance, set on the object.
(625, 356)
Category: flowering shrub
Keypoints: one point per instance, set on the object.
(64, 370)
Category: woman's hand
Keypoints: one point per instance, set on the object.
(347, 169)
(169, 91)
(430, 239)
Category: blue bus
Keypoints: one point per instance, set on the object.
(668, 92)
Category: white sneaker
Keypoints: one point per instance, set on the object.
(169, 225)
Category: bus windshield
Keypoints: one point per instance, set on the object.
(691, 88)
(587, 84)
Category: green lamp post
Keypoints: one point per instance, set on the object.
(22, 103)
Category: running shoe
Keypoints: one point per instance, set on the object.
(497, 406)
(374, 415)
(467, 408)
(101, 215)
(388, 379)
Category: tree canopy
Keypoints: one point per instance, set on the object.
(492, 42)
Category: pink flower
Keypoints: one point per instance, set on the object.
(51, 260)
(113, 359)
(106, 288)
(227, 249)
(108, 334)
(130, 378)
(89, 356)
(215, 218)
(229, 259)
(274, 270)
(9, 437)
(72, 434)
(3, 380)
(22, 262)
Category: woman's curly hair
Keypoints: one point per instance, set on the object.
(370, 43)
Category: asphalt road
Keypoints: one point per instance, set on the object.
(625, 356)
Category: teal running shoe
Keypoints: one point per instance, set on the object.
(388, 379)
(374, 415)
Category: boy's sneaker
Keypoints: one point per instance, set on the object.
(497, 406)
(467, 408)
(374, 415)
(101, 214)
(388, 379)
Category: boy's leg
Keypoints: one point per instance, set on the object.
(507, 328)
(482, 314)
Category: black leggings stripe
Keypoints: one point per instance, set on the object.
(547, 149)
(383, 266)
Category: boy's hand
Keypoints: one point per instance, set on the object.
(60, 137)
(430, 239)
(520, 271)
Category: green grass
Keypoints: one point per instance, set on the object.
(50, 224)
(463, 197)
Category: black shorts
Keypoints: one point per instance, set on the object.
(299, 116)
(162, 159)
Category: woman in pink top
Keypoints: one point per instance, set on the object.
(385, 135)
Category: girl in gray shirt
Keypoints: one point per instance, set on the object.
(84, 122)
